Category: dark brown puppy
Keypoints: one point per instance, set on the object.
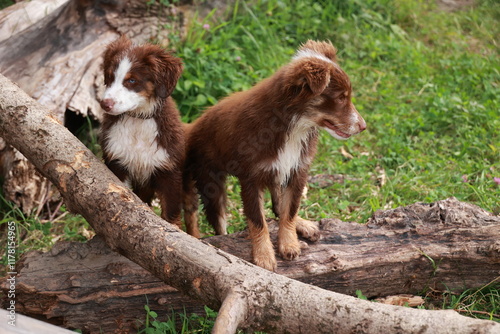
(267, 137)
(142, 135)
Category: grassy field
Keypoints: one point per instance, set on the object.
(425, 80)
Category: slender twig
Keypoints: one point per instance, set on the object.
(477, 312)
(42, 197)
(53, 215)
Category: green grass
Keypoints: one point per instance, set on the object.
(5, 3)
(40, 232)
(426, 81)
(189, 323)
(482, 303)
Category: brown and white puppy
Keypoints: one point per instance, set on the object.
(267, 137)
(142, 136)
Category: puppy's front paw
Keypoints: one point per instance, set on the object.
(290, 250)
(265, 258)
(263, 253)
(307, 229)
(268, 263)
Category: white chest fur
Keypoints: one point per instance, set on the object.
(290, 156)
(132, 141)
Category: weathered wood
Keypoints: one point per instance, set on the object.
(22, 183)
(23, 325)
(89, 287)
(20, 16)
(444, 245)
(274, 303)
(83, 285)
(52, 51)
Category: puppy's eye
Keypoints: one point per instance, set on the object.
(341, 98)
(131, 81)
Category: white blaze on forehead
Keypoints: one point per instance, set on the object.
(122, 70)
(133, 142)
(308, 53)
(123, 98)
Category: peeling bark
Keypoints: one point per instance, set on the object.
(22, 183)
(274, 303)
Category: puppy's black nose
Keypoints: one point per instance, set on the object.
(107, 104)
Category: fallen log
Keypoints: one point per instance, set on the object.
(246, 296)
(405, 251)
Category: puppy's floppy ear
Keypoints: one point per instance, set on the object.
(311, 74)
(167, 70)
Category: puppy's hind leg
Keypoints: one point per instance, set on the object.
(190, 205)
(262, 248)
(145, 192)
(169, 189)
(212, 188)
(307, 229)
(276, 194)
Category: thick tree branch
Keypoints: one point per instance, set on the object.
(274, 303)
